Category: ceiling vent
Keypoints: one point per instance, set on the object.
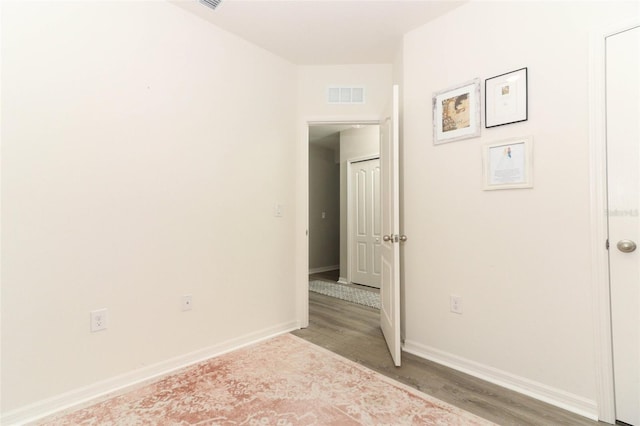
(211, 3)
(345, 95)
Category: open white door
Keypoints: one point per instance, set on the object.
(390, 249)
(623, 173)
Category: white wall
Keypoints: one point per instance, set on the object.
(519, 258)
(143, 151)
(355, 144)
(324, 196)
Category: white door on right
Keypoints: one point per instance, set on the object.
(623, 181)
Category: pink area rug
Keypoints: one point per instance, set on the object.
(283, 381)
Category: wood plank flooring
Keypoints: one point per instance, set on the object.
(353, 331)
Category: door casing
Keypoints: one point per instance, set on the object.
(302, 206)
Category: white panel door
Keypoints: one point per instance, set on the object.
(390, 249)
(623, 181)
(366, 226)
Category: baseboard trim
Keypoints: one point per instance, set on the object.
(111, 387)
(557, 397)
(343, 280)
(323, 269)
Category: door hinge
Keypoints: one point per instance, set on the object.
(607, 244)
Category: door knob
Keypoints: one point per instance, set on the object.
(386, 238)
(403, 238)
(626, 246)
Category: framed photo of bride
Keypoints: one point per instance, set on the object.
(508, 164)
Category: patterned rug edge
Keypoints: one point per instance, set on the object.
(344, 292)
(387, 380)
(291, 341)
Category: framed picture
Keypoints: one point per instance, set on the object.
(456, 113)
(505, 98)
(508, 164)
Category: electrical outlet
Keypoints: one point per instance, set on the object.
(98, 320)
(455, 303)
(187, 302)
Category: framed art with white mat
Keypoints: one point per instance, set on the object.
(456, 113)
(508, 164)
(505, 98)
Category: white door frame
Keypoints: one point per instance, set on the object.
(302, 206)
(599, 234)
(350, 209)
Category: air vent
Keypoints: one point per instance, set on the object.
(210, 3)
(345, 95)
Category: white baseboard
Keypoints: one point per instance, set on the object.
(98, 391)
(565, 400)
(323, 269)
(343, 280)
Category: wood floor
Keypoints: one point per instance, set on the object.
(353, 331)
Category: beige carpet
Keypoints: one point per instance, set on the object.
(283, 381)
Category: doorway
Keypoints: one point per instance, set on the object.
(387, 146)
(332, 148)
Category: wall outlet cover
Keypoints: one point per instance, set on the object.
(98, 320)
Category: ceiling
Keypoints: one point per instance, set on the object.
(323, 32)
